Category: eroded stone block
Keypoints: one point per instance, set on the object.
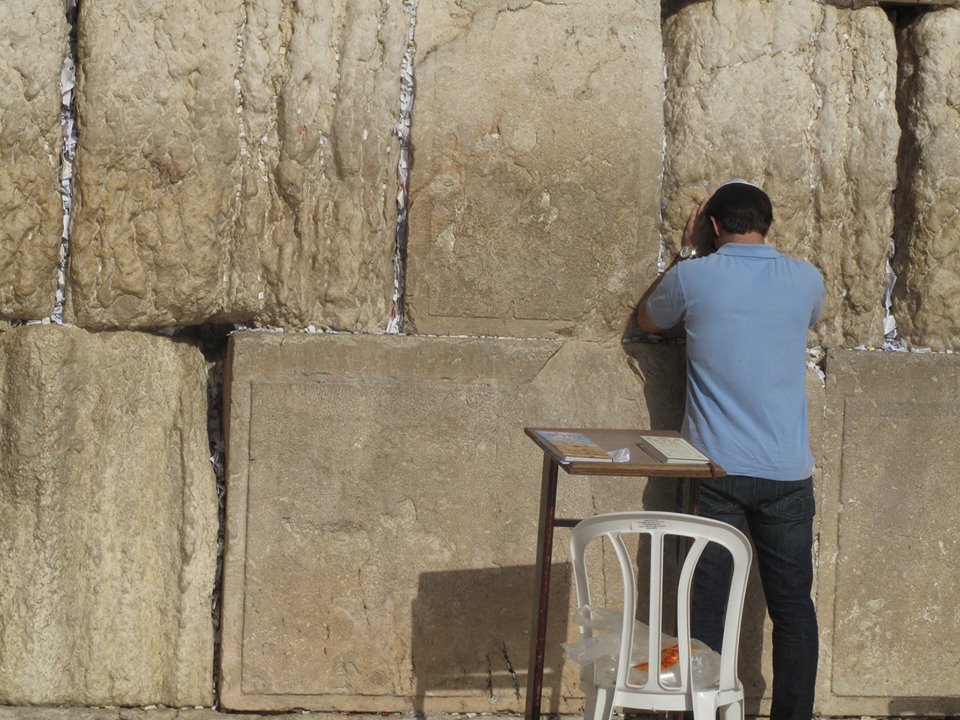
(157, 175)
(888, 534)
(33, 45)
(537, 138)
(59, 713)
(382, 514)
(927, 293)
(242, 168)
(799, 97)
(108, 520)
(320, 89)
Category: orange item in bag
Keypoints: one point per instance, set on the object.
(668, 657)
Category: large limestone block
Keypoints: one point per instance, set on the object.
(157, 168)
(382, 513)
(798, 96)
(33, 44)
(108, 520)
(888, 541)
(241, 168)
(320, 89)
(927, 294)
(537, 139)
(68, 713)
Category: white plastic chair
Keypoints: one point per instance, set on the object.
(727, 695)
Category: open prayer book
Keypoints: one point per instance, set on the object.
(671, 450)
(575, 447)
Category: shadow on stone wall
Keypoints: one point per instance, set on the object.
(471, 632)
(933, 706)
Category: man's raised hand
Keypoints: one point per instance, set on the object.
(698, 233)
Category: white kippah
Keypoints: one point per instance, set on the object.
(738, 181)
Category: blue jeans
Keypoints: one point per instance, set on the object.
(780, 518)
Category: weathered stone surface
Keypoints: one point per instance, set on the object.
(888, 541)
(108, 520)
(154, 713)
(799, 97)
(161, 713)
(927, 293)
(33, 45)
(537, 138)
(382, 513)
(320, 87)
(157, 172)
(58, 713)
(242, 168)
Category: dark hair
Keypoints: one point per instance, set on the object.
(740, 208)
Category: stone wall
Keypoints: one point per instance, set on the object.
(391, 477)
(32, 48)
(108, 508)
(888, 540)
(534, 212)
(242, 169)
(928, 293)
(242, 165)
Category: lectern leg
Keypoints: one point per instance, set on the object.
(694, 507)
(541, 595)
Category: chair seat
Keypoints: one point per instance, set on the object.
(677, 703)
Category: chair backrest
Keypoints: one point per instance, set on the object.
(658, 525)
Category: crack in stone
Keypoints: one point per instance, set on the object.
(68, 152)
(215, 435)
(513, 673)
(402, 131)
(488, 685)
(242, 145)
(664, 249)
(892, 340)
(520, 5)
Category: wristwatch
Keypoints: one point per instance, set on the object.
(686, 252)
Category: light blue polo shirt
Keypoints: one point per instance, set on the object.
(746, 309)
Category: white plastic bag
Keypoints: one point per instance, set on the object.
(604, 647)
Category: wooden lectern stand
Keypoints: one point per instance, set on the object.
(640, 465)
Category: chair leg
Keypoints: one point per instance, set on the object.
(598, 704)
(732, 711)
(604, 704)
(705, 706)
(589, 698)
